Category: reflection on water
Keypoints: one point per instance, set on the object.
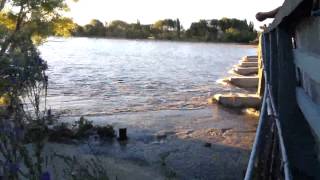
(103, 76)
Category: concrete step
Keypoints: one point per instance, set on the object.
(245, 81)
(246, 59)
(238, 100)
(250, 57)
(245, 70)
(248, 64)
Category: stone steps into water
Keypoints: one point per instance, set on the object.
(244, 81)
(245, 70)
(238, 100)
(248, 64)
(250, 59)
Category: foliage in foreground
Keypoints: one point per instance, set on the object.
(24, 118)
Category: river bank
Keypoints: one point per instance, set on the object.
(251, 43)
(208, 143)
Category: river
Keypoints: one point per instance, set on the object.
(158, 90)
(106, 76)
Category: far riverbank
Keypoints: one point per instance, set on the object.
(254, 43)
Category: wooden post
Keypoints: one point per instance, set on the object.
(123, 134)
(260, 90)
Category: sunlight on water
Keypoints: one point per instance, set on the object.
(103, 76)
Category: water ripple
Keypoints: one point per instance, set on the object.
(101, 76)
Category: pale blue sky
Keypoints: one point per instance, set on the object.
(148, 11)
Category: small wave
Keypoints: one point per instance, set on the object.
(192, 105)
(223, 82)
(89, 76)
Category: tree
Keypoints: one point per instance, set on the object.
(63, 26)
(178, 28)
(118, 24)
(23, 77)
(232, 35)
(78, 30)
(225, 29)
(212, 30)
(170, 24)
(117, 28)
(95, 28)
(251, 26)
(136, 31)
(198, 30)
(159, 25)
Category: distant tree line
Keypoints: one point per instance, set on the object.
(223, 30)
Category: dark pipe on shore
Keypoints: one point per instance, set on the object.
(123, 134)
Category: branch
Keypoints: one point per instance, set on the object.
(261, 16)
(20, 17)
(2, 3)
(10, 40)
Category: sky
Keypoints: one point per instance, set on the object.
(149, 11)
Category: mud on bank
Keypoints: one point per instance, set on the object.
(209, 143)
